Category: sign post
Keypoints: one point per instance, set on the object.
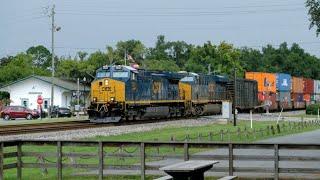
(40, 101)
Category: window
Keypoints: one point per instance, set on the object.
(119, 74)
(46, 103)
(187, 79)
(24, 102)
(103, 74)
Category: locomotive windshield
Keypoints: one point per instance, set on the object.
(103, 74)
(117, 72)
(120, 74)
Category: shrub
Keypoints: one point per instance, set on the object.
(313, 109)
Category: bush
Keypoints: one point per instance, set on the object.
(313, 109)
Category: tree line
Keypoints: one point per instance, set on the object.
(165, 56)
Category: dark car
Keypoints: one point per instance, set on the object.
(61, 112)
(13, 112)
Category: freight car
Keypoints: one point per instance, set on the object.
(124, 93)
(282, 91)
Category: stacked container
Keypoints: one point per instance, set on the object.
(297, 92)
(283, 86)
(308, 90)
(266, 87)
(316, 95)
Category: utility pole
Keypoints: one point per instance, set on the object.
(234, 97)
(125, 57)
(209, 69)
(52, 58)
(54, 28)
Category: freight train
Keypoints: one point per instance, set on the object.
(123, 93)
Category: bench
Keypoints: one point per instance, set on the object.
(192, 170)
(165, 178)
(228, 178)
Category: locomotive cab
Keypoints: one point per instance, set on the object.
(108, 93)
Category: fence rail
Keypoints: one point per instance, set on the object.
(143, 152)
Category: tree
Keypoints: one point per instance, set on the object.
(19, 67)
(82, 55)
(314, 14)
(162, 65)
(5, 60)
(41, 56)
(134, 48)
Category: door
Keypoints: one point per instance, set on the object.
(21, 112)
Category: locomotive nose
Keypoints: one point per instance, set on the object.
(107, 90)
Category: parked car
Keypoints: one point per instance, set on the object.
(13, 112)
(61, 112)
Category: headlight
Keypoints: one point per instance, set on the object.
(112, 99)
(106, 82)
(94, 99)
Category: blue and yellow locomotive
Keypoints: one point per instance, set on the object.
(125, 93)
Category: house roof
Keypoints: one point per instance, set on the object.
(63, 83)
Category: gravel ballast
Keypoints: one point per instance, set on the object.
(112, 130)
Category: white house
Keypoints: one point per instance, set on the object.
(25, 92)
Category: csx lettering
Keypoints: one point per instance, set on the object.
(106, 89)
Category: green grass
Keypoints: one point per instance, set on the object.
(163, 134)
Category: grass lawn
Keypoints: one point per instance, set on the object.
(163, 134)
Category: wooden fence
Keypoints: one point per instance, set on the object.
(143, 152)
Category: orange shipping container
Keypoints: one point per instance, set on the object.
(297, 85)
(266, 81)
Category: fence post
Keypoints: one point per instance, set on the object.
(230, 159)
(59, 160)
(229, 138)
(276, 161)
(172, 140)
(246, 133)
(143, 159)
(221, 135)
(186, 151)
(19, 161)
(1, 160)
(278, 129)
(272, 130)
(101, 160)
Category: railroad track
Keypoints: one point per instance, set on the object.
(44, 127)
(73, 125)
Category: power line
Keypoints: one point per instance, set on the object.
(202, 13)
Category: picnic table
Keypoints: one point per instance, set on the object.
(193, 169)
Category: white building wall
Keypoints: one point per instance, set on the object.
(29, 89)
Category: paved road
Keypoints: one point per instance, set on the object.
(307, 137)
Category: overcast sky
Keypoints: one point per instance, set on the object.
(90, 25)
